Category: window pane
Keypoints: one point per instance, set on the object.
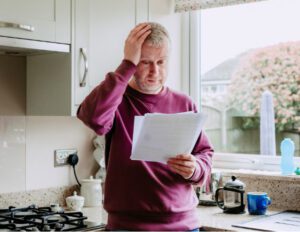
(247, 49)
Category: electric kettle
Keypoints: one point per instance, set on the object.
(233, 196)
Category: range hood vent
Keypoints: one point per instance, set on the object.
(24, 47)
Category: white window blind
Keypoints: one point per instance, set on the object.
(189, 5)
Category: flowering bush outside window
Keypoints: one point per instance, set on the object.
(275, 68)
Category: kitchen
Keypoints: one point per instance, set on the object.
(42, 91)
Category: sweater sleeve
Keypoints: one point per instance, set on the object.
(203, 152)
(98, 109)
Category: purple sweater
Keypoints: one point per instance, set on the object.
(142, 195)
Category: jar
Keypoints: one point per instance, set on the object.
(75, 202)
(91, 190)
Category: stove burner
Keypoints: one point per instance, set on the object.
(34, 218)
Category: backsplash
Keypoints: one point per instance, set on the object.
(27, 147)
(40, 198)
(284, 191)
(27, 143)
(12, 153)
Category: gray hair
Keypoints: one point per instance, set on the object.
(158, 35)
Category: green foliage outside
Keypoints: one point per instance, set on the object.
(277, 69)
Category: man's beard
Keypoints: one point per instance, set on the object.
(148, 88)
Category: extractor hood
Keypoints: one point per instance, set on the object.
(16, 46)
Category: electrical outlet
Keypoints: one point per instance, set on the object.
(61, 156)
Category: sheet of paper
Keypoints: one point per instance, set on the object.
(157, 137)
(283, 221)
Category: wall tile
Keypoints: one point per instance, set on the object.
(46, 134)
(12, 154)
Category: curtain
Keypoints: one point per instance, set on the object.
(189, 5)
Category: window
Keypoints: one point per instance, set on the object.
(229, 40)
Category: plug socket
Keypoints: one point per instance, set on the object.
(61, 156)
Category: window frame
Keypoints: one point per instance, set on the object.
(192, 86)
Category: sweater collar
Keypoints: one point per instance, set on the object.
(151, 98)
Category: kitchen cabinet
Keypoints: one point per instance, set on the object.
(109, 24)
(57, 83)
(46, 20)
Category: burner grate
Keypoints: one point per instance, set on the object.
(43, 218)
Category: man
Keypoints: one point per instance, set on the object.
(142, 195)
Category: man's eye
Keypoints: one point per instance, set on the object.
(145, 62)
(161, 62)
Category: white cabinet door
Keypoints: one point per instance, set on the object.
(101, 27)
(81, 49)
(46, 20)
(110, 23)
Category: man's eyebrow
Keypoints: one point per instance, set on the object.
(146, 58)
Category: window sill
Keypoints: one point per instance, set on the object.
(250, 162)
(257, 174)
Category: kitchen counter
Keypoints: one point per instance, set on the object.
(211, 217)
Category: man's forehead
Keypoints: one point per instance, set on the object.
(151, 57)
(155, 51)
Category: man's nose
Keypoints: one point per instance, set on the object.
(154, 68)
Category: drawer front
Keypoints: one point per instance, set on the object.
(46, 20)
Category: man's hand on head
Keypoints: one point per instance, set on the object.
(134, 42)
(183, 164)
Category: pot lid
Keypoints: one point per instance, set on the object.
(235, 183)
(75, 197)
(91, 180)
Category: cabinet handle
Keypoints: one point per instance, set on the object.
(17, 26)
(86, 67)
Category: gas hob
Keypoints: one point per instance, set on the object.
(34, 218)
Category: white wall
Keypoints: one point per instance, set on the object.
(43, 136)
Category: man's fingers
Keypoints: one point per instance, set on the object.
(144, 36)
(137, 29)
(181, 168)
(142, 31)
(185, 157)
(179, 171)
(183, 163)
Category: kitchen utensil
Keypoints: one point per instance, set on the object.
(75, 202)
(91, 190)
(258, 202)
(233, 195)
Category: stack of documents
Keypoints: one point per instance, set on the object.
(158, 137)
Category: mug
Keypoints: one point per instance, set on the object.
(258, 202)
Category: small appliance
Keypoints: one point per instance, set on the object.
(233, 196)
(206, 193)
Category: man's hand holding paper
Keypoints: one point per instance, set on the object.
(183, 164)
